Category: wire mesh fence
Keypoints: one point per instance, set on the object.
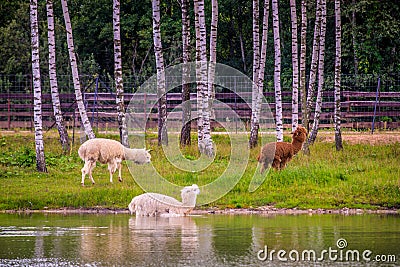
(362, 102)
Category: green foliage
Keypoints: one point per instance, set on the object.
(15, 40)
(375, 35)
(374, 32)
(24, 157)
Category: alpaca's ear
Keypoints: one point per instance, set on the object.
(149, 150)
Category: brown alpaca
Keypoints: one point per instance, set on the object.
(280, 153)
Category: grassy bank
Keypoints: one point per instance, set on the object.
(361, 176)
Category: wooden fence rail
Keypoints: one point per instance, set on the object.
(16, 109)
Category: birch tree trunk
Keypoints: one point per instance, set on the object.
(186, 106)
(161, 91)
(213, 51)
(338, 65)
(277, 71)
(55, 98)
(199, 97)
(37, 90)
(242, 52)
(295, 67)
(259, 80)
(263, 58)
(256, 69)
(123, 133)
(303, 51)
(75, 75)
(204, 128)
(314, 63)
(321, 59)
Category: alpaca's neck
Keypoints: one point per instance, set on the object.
(129, 153)
(297, 145)
(189, 200)
(126, 152)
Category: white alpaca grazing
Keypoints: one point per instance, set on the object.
(153, 204)
(109, 152)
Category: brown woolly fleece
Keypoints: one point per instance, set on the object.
(280, 153)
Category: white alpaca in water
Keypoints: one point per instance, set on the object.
(109, 152)
(153, 204)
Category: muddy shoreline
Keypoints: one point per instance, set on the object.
(266, 210)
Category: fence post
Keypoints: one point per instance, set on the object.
(8, 113)
(73, 129)
(144, 109)
(236, 109)
(376, 103)
(95, 100)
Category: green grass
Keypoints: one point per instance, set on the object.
(360, 176)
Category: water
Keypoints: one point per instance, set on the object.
(209, 240)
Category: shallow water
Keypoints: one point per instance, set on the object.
(210, 240)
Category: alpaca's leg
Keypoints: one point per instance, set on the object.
(84, 171)
(87, 169)
(262, 169)
(264, 166)
(119, 172)
(111, 168)
(276, 163)
(285, 162)
(119, 166)
(92, 165)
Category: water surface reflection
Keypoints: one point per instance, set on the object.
(211, 240)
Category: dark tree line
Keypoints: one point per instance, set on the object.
(370, 30)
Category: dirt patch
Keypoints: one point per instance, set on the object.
(363, 138)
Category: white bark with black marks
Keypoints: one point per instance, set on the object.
(119, 85)
(199, 97)
(186, 106)
(338, 65)
(303, 51)
(205, 143)
(263, 58)
(258, 88)
(295, 67)
(75, 75)
(256, 69)
(321, 79)
(55, 98)
(37, 89)
(213, 48)
(314, 62)
(161, 91)
(277, 72)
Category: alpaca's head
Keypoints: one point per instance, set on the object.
(300, 134)
(189, 195)
(139, 156)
